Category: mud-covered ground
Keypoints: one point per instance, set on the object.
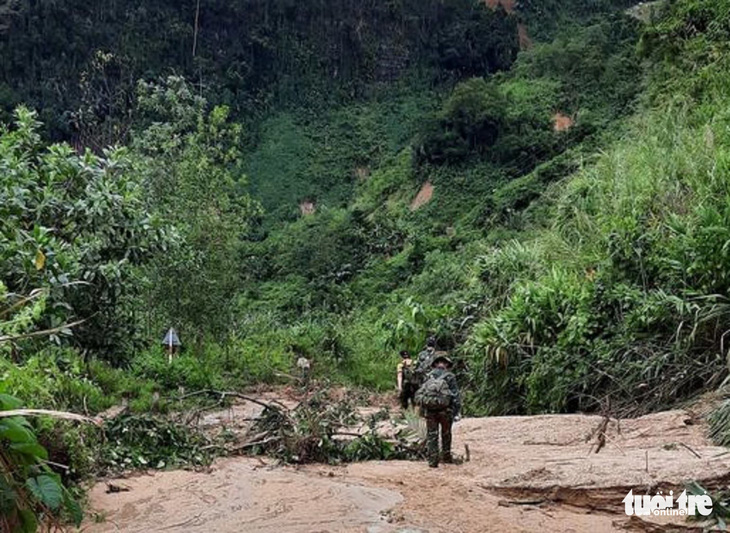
(538, 473)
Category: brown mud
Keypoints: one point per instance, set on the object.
(533, 473)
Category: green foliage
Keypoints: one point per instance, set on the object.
(720, 505)
(192, 172)
(688, 33)
(469, 122)
(545, 18)
(622, 289)
(251, 55)
(720, 424)
(315, 253)
(30, 492)
(55, 379)
(588, 72)
(72, 218)
(595, 65)
(145, 441)
(323, 156)
(185, 371)
(690, 38)
(420, 321)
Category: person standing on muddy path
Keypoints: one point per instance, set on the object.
(440, 403)
(407, 380)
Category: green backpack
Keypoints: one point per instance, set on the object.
(435, 394)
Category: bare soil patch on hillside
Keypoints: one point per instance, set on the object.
(423, 197)
(562, 122)
(508, 5)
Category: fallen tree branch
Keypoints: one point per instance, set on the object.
(55, 414)
(232, 394)
(255, 443)
(58, 465)
(600, 434)
(22, 301)
(42, 333)
(690, 450)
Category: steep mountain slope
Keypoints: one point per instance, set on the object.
(406, 188)
(417, 174)
(563, 278)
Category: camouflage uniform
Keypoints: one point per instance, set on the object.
(423, 363)
(442, 419)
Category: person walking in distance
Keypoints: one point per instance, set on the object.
(406, 379)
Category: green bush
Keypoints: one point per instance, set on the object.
(189, 371)
(469, 122)
(54, 379)
(30, 492)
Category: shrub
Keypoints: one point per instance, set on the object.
(30, 492)
(187, 370)
(54, 379)
(470, 121)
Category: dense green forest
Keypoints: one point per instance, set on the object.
(540, 185)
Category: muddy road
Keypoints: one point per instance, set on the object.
(539, 473)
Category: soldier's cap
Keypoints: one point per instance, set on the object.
(444, 358)
(405, 353)
(431, 341)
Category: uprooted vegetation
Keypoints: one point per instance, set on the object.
(149, 441)
(315, 429)
(526, 473)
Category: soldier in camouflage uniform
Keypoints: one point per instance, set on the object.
(443, 418)
(425, 358)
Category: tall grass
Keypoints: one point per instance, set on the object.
(620, 296)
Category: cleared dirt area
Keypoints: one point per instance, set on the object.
(539, 473)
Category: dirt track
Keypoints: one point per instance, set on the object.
(525, 474)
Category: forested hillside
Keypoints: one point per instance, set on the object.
(542, 185)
